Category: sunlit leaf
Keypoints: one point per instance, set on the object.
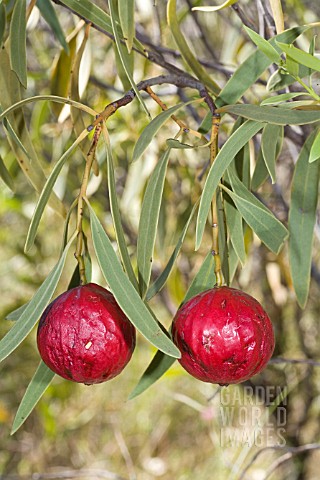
(126, 16)
(228, 3)
(61, 74)
(263, 45)
(148, 223)
(49, 14)
(160, 363)
(229, 150)
(269, 140)
(47, 189)
(266, 226)
(300, 56)
(277, 12)
(315, 149)
(34, 309)
(36, 388)
(302, 217)
(161, 280)
(124, 292)
(18, 53)
(185, 51)
(269, 114)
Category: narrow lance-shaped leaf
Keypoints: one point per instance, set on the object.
(263, 45)
(229, 150)
(148, 224)
(36, 388)
(18, 53)
(186, 53)
(283, 97)
(276, 115)
(161, 280)
(5, 175)
(315, 149)
(268, 228)
(47, 189)
(226, 4)
(160, 363)
(252, 68)
(49, 14)
(124, 292)
(235, 228)
(34, 309)
(116, 216)
(123, 54)
(302, 217)
(152, 129)
(300, 56)
(126, 16)
(277, 12)
(269, 141)
(3, 21)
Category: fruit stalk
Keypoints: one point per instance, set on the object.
(214, 211)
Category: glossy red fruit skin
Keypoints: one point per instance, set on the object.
(224, 336)
(84, 336)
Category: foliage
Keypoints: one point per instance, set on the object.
(238, 135)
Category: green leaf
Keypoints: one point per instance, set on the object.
(18, 53)
(252, 68)
(124, 54)
(126, 16)
(269, 141)
(302, 217)
(300, 56)
(152, 129)
(185, 51)
(268, 114)
(5, 175)
(47, 189)
(34, 309)
(267, 227)
(16, 314)
(229, 150)
(235, 229)
(49, 14)
(124, 292)
(116, 216)
(158, 367)
(228, 3)
(161, 280)
(160, 363)
(3, 21)
(283, 97)
(315, 149)
(263, 45)
(36, 388)
(148, 223)
(61, 73)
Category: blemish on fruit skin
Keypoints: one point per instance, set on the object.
(88, 345)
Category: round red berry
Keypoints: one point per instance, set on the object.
(224, 336)
(84, 336)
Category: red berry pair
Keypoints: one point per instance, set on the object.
(224, 336)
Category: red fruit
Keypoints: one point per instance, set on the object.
(224, 336)
(84, 336)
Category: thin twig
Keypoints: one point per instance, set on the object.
(287, 456)
(305, 361)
